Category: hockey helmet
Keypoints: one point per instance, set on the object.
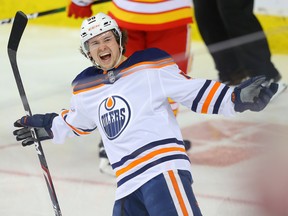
(97, 25)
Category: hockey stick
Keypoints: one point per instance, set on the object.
(19, 24)
(44, 13)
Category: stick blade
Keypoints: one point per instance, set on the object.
(19, 24)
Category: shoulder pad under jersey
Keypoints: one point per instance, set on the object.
(86, 74)
(147, 55)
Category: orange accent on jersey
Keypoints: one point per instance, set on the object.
(109, 102)
(84, 84)
(133, 70)
(233, 97)
(174, 106)
(210, 97)
(130, 70)
(178, 193)
(146, 158)
(151, 63)
(151, 27)
(88, 89)
(63, 113)
(149, 19)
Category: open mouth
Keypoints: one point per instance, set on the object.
(105, 56)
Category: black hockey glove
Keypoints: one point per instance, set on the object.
(253, 94)
(42, 124)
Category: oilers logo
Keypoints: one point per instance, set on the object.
(114, 116)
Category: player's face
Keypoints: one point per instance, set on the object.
(104, 49)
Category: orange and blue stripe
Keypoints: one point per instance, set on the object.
(76, 131)
(210, 88)
(145, 158)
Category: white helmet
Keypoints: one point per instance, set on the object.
(96, 25)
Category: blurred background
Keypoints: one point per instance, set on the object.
(239, 164)
(271, 13)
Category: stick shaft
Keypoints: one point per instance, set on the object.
(18, 28)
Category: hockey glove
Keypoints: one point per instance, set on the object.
(253, 94)
(79, 11)
(41, 123)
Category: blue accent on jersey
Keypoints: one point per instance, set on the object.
(145, 148)
(93, 76)
(114, 121)
(152, 164)
(200, 95)
(89, 72)
(219, 100)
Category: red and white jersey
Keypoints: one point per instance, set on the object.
(151, 15)
(129, 106)
(148, 15)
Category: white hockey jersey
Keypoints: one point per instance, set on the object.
(129, 107)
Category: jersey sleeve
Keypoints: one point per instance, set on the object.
(199, 95)
(72, 122)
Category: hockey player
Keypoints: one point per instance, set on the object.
(148, 24)
(126, 99)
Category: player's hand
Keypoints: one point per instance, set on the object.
(79, 11)
(253, 94)
(41, 123)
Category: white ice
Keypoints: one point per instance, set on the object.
(48, 60)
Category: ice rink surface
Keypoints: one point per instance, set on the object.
(237, 162)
